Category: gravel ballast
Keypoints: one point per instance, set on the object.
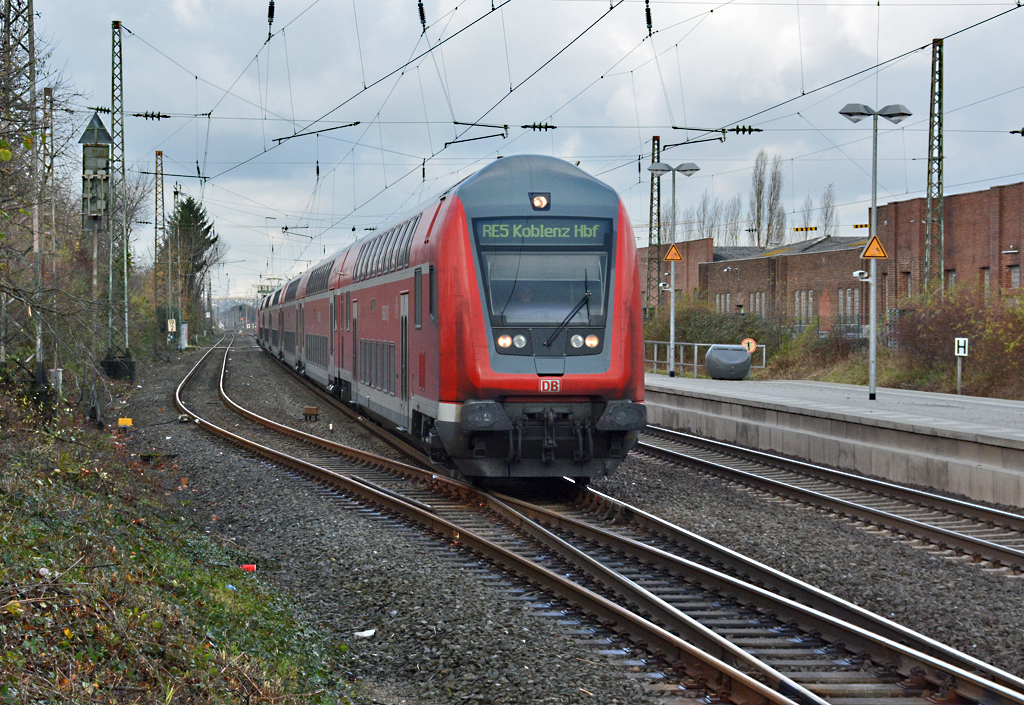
(445, 630)
(952, 602)
(447, 633)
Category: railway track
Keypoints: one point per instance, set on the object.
(994, 539)
(739, 642)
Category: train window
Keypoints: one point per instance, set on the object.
(391, 368)
(379, 373)
(357, 268)
(388, 263)
(417, 298)
(365, 269)
(370, 246)
(407, 244)
(396, 246)
(433, 294)
(348, 310)
(389, 249)
(543, 287)
(378, 253)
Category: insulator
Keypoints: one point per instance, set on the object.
(270, 13)
(647, 11)
(423, 17)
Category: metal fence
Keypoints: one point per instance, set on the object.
(688, 356)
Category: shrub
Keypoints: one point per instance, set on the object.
(994, 324)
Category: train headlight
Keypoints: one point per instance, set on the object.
(519, 341)
(505, 341)
(592, 341)
(576, 341)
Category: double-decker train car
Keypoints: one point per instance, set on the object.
(500, 325)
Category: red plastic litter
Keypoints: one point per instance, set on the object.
(249, 567)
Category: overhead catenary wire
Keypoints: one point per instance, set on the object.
(420, 166)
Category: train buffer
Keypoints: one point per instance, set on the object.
(311, 413)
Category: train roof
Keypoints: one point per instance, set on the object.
(491, 185)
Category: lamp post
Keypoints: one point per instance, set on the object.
(896, 113)
(660, 169)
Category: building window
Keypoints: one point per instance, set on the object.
(950, 278)
(1015, 276)
(907, 284)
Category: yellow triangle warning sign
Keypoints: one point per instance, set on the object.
(673, 255)
(874, 250)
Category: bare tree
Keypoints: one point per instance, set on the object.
(806, 217)
(828, 221)
(766, 215)
(758, 196)
(709, 216)
(732, 222)
(776, 225)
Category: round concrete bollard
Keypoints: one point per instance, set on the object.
(727, 362)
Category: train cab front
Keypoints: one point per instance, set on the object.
(555, 374)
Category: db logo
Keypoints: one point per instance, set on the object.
(551, 385)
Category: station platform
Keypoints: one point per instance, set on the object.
(971, 446)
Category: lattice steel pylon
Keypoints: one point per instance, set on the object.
(17, 107)
(160, 235)
(118, 192)
(652, 298)
(934, 223)
(16, 55)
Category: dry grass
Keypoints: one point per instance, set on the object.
(108, 597)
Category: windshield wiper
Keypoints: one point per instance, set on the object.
(561, 326)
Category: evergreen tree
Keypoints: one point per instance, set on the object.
(195, 249)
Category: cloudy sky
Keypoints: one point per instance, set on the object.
(587, 67)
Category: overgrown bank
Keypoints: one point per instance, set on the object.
(108, 595)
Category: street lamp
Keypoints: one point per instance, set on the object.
(855, 112)
(660, 169)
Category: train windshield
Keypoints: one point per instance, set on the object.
(537, 270)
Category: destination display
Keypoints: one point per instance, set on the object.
(542, 231)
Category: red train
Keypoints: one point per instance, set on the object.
(500, 324)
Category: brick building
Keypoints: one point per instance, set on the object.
(687, 271)
(811, 282)
(984, 231)
(805, 282)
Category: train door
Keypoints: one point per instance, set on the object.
(337, 339)
(404, 352)
(356, 377)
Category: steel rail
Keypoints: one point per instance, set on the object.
(944, 538)
(726, 681)
(934, 662)
(996, 517)
(356, 417)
